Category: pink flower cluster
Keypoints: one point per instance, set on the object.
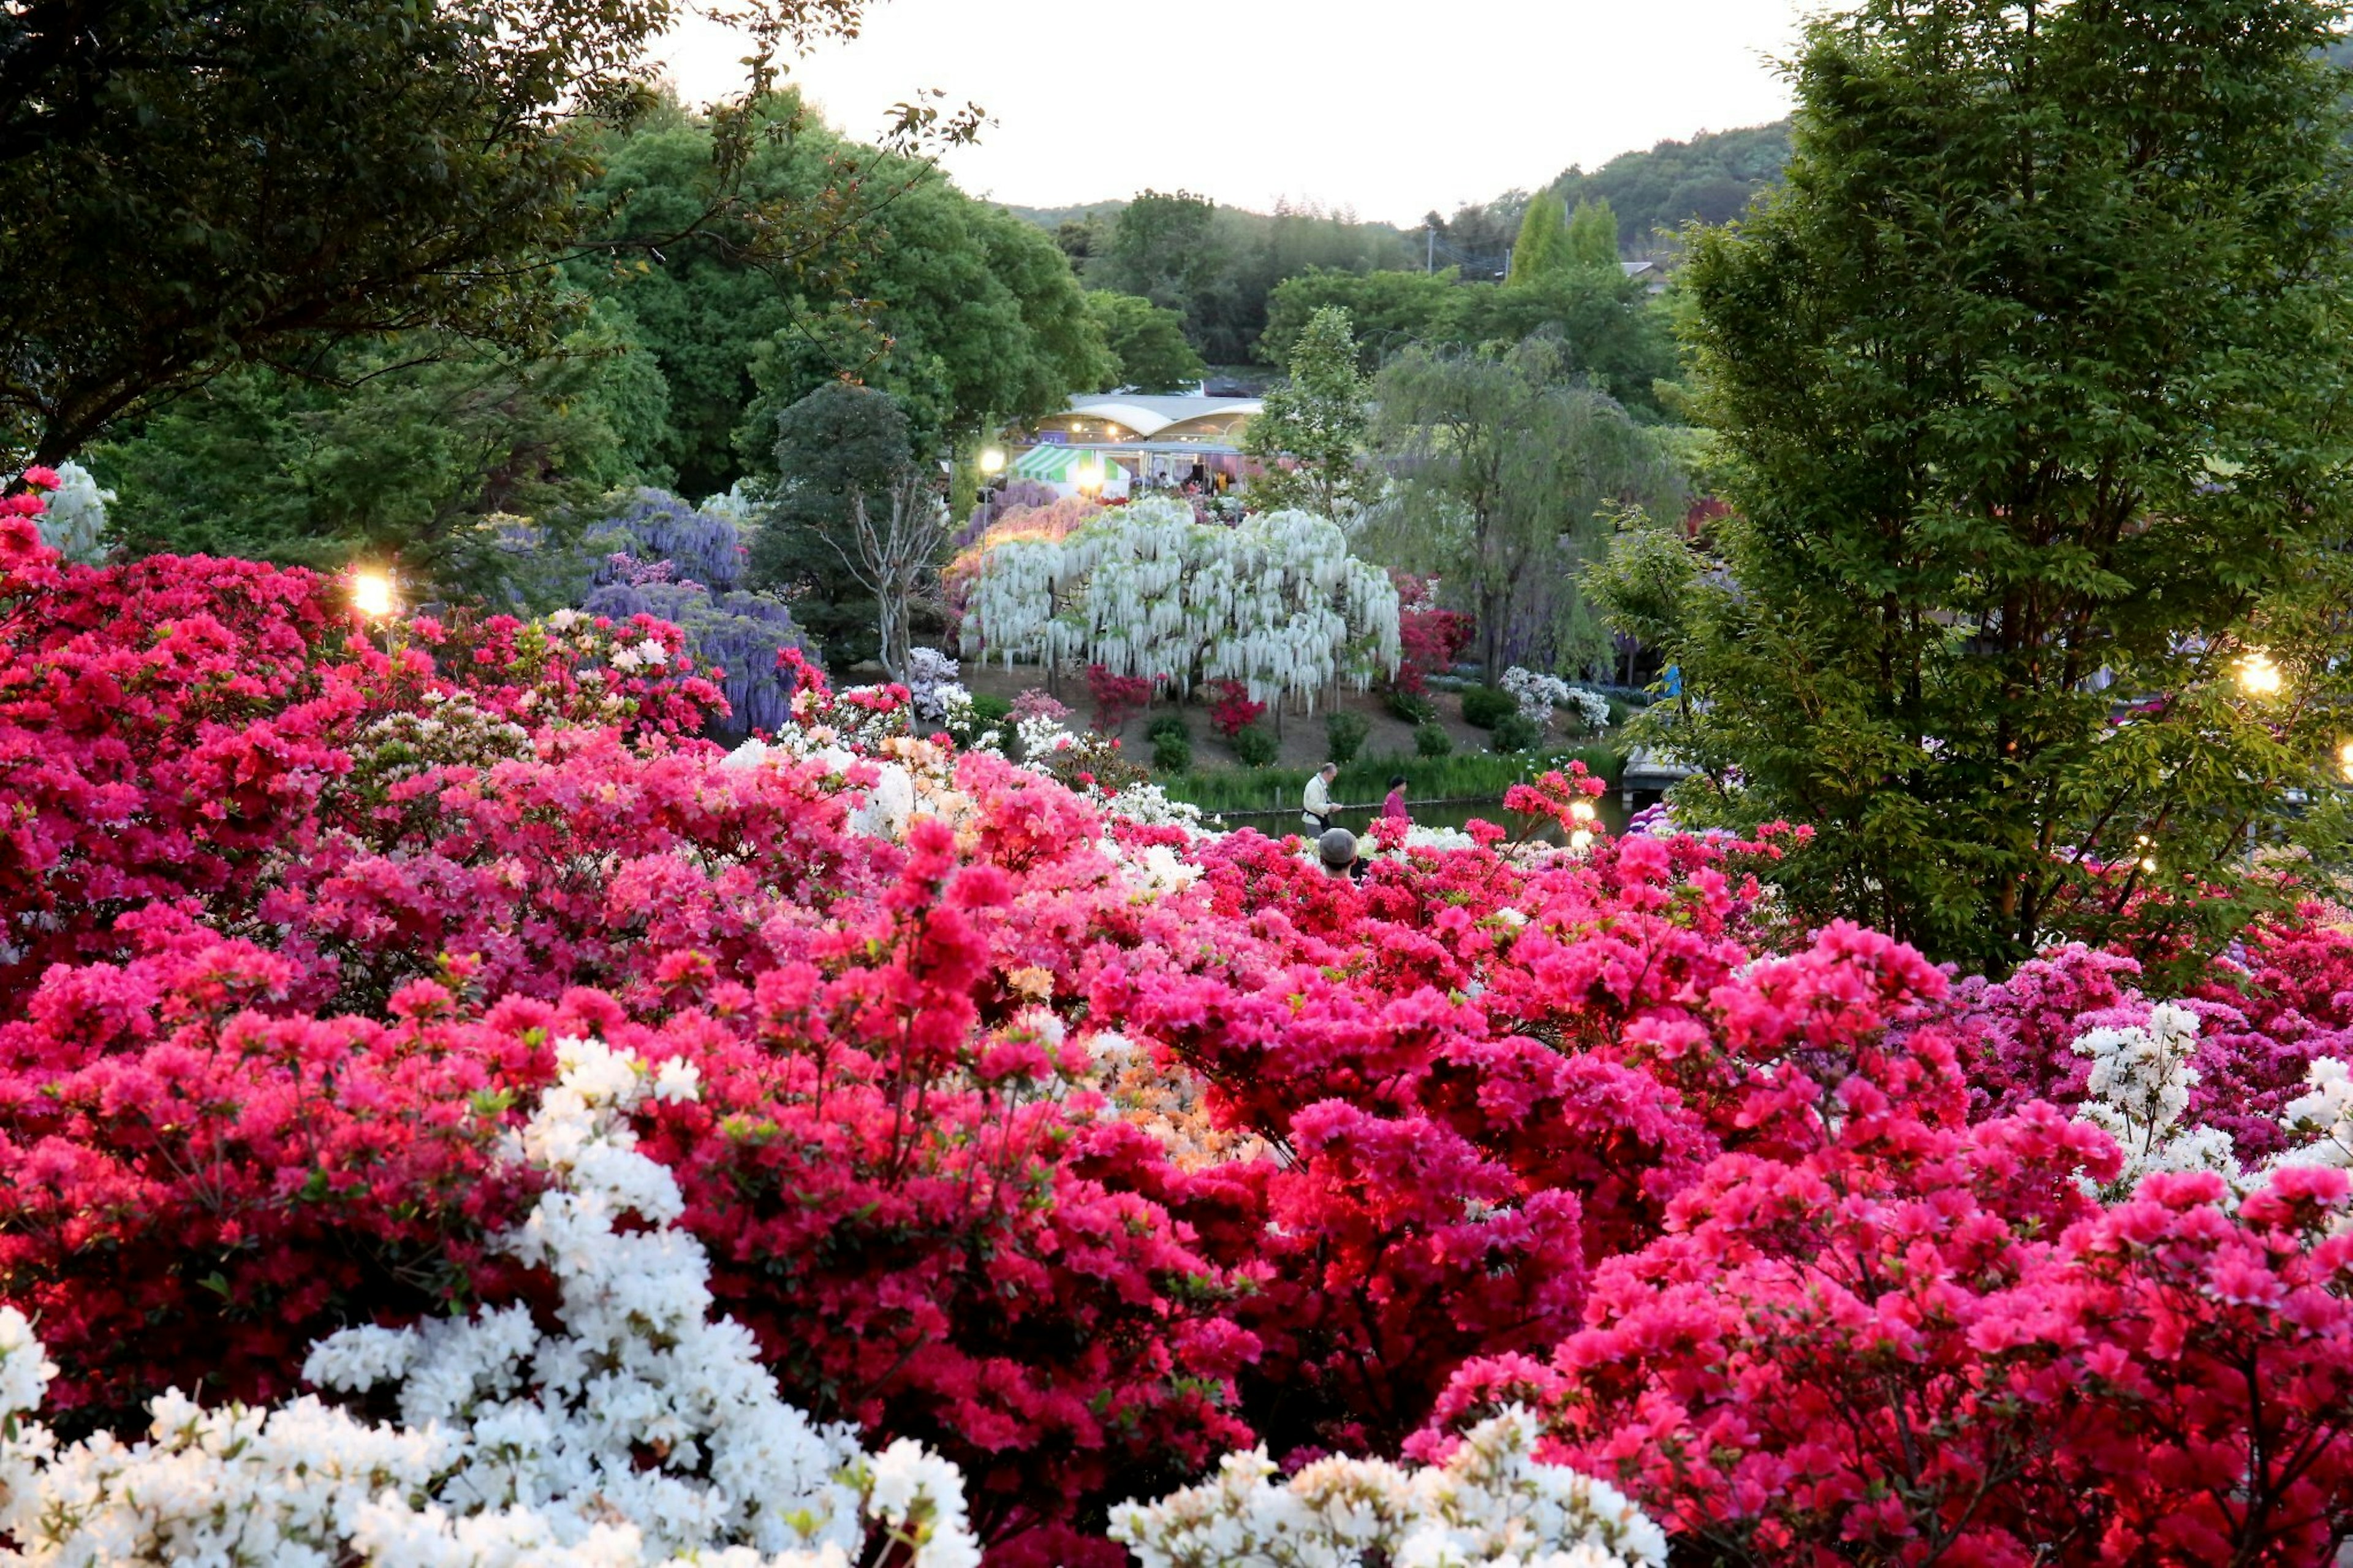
(1085, 1175)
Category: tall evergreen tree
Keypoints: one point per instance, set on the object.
(1592, 235)
(1542, 249)
(2031, 385)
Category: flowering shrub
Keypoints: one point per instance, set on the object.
(1231, 710)
(1034, 1124)
(1537, 695)
(1488, 1504)
(1430, 639)
(1117, 698)
(642, 1432)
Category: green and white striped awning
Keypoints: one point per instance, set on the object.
(1053, 463)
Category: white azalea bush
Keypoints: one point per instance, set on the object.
(2138, 1091)
(638, 1432)
(1492, 1503)
(1538, 694)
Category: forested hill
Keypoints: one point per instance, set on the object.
(1710, 177)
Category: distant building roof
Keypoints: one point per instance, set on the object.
(1149, 417)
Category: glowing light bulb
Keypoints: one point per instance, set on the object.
(1580, 840)
(992, 459)
(2345, 761)
(1090, 477)
(1582, 810)
(2258, 675)
(372, 593)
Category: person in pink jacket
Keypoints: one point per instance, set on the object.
(1394, 806)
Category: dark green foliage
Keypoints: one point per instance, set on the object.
(1505, 465)
(1167, 724)
(1605, 328)
(191, 186)
(1413, 707)
(2032, 385)
(837, 442)
(1172, 751)
(1484, 707)
(1430, 740)
(1216, 267)
(1147, 344)
(399, 463)
(961, 312)
(1255, 745)
(1513, 733)
(1710, 178)
(1343, 734)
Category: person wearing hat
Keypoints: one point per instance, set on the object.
(1316, 806)
(1394, 804)
(1335, 851)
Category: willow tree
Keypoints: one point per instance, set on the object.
(2031, 387)
(1506, 467)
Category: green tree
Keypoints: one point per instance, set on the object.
(1148, 350)
(398, 453)
(1542, 249)
(1165, 247)
(854, 526)
(1310, 434)
(1593, 234)
(1504, 462)
(2030, 385)
(1387, 309)
(194, 184)
(961, 312)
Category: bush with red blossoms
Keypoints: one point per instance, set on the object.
(1084, 1148)
(1231, 710)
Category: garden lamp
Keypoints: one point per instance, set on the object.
(1089, 475)
(992, 460)
(372, 593)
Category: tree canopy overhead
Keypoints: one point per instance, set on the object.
(199, 184)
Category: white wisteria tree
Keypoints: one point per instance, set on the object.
(1276, 603)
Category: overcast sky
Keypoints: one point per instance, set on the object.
(1388, 107)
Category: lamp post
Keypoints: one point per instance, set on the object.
(373, 598)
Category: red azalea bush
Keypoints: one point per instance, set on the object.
(1231, 710)
(1116, 698)
(1085, 1150)
(1430, 638)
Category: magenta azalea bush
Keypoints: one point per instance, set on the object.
(1033, 1127)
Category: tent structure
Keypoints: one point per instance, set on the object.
(1062, 467)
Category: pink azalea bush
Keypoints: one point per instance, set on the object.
(1084, 1148)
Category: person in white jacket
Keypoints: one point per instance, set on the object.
(1317, 806)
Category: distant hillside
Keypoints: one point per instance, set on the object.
(1710, 177)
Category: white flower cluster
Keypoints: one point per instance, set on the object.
(639, 1432)
(1277, 603)
(1149, 805)
(1040, 738)
(647, 655)
(2139, 1088)
(74, 522)
(1152, 871)
(1490, 1503)
(2325, 1113)
(1536, 694)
